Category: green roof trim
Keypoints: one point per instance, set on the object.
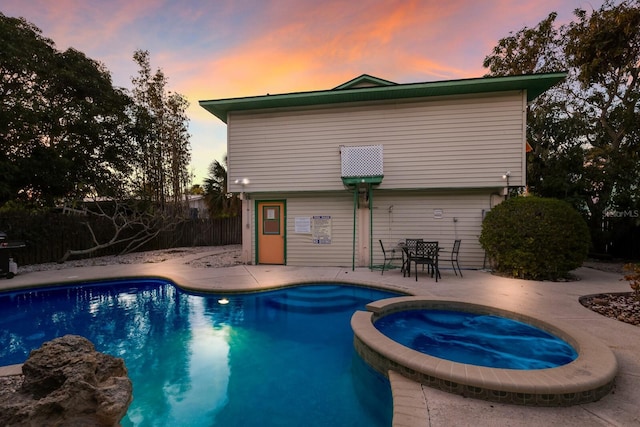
(534, 84)
(364, 79)
(354, 180)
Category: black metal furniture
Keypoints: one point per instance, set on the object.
(388, 258)
(454, 256)
(426, 253)
(408, 247)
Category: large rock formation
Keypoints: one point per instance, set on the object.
(67, 383)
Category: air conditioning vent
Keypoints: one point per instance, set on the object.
(361, 161)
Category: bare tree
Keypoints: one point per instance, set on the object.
(164, 149)
(130, 225)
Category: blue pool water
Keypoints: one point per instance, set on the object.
(476, 339)
(278, 358)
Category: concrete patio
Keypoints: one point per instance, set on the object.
(414, 404)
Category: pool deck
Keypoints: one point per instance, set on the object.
(416, 405)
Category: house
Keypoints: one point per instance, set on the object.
(197, 206)
(326, 174)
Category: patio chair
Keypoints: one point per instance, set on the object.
(426, 253)
(408, 247)
(388, 259)
(454, 256)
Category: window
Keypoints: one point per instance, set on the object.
(271, 220)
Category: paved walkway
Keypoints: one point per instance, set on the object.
(544, 300)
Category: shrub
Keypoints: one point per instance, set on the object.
(633, 278)
(535, 238)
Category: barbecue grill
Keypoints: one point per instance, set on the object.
(8, 266)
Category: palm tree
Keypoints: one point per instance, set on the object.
(219, 201)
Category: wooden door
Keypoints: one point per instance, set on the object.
(271, 233)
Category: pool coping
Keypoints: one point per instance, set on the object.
(587, 379)
(11, 370)
(424, 405)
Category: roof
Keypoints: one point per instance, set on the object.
(360, 89)
(364, 80)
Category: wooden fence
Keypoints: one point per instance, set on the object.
(622, 235)
(49, 236)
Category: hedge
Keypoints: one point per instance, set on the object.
(535, 238)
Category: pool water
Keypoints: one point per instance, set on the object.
(476, 339)
(277, 358)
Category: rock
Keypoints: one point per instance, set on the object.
(68, 383)
(620, 306)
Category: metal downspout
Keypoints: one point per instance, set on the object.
(370, 227)
(355, 207)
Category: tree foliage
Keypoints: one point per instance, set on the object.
(67, 132)
(68, 135)
(585, 133)
(220, 202)
(163, 143)
(65, 129)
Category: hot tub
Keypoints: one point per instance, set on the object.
(586, 379)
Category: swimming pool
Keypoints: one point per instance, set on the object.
(282, 357)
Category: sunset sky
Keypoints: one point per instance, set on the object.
(233, 48)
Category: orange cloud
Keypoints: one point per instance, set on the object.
(230, 48)
(320, 53)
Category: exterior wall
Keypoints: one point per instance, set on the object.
(411, 214)
(300, 249)
(396, 216)
(248, 233)
(454, 142)
(441, 153)
(198, 203)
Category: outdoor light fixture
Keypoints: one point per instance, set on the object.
(506, 176)
(244, 182)
(223, 301)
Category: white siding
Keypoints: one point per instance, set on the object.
(300, 249)
(410, 214)
(459, 142)
(396, 216)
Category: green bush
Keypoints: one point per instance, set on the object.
(535, 238)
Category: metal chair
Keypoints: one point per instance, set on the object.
(388, 260)
(408, 248)
(454, 256)
(426, 253)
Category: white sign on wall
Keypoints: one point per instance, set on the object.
(303, 224)
(321, 229)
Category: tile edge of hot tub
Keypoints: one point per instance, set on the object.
(587, 379)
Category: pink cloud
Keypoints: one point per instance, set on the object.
(232, 48)
(319, 46)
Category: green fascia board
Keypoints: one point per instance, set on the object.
(354, 180)
(534, 84)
